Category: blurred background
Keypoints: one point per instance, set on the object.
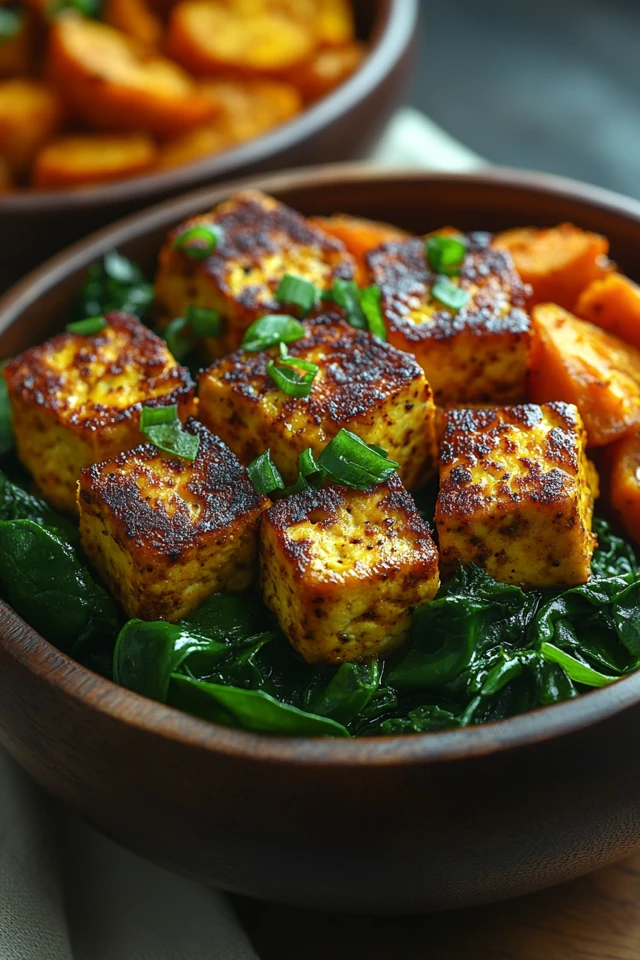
(543, 84)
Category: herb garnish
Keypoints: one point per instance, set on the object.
(445, 254)
(162, 426)
(297, 291)
(198, 242)
(86, 327)
(285, 374)
(449, 294)
(264, 474)
(114, 284)
(181, 333)
(272, 330)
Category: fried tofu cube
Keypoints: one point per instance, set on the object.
(362, 384)
(478, 353)
(342, 568)
(164, 532)
(516, 494)
(261, 239)
(76, 399)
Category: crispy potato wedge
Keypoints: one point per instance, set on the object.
(113, 82)
(73, 161)
(558, 262)
(331, 21)
(208, 37)
(16, 52)
(136, 18)
(622, 462)
(192, 146)
(326, 69)
(613, 303)
(360, 236)
(577, 362)
(247, 108)
(30, 114)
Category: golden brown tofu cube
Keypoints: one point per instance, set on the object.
(342, 568)
(479, 353)
(76, 399)
(516, 494)
(260, 240)
(165, 532)
(362, 384)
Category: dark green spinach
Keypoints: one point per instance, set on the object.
(115, 283)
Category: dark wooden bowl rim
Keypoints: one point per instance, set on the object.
(103, 696)
(392, 32)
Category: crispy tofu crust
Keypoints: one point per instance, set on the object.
(363, 384)
(165, 532)
(77, 399)
(480, 353)
(261, 239)
(516, 494)
(342, 568)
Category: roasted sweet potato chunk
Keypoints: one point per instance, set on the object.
(330, 21)
(93, 158)
(192, 146)
(623, 463)
(360, 236)
(558, 262)
(113, 82)
(327, 68)
(613, 303)
(208, 37)
(245, 108)
(577, 362)
(136, 18)
(30, 114)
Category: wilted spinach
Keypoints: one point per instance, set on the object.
(115, 283)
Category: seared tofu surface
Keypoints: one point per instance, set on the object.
(342, 568)
(363, 384)
(164, 532)
(76, 399)
(479, 353)
(516, 494)
(260, 241)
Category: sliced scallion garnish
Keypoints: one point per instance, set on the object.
(285, 374)
(180, 335)
(449, 294)
(271, 330)
(204, 322)
(445, 253)
(87, 327)
(348, 460)
(371, 303)
(178, 339)
(297, 291)
(162, 426)
(198, 242)
(346, 294)
(264, 474)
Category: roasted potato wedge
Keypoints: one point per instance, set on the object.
(558, 262)
(577, 362)
(612, 303)
(327, 68)
(30, 114)
(330, 21)
(360, 236)
(247, 108)
(113, 82)
(622, 465)
(75, 160)
(208, 37)
(192, 146)
(136, 18)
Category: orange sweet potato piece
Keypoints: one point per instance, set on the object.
(575, 361)
(135, 18)
(359, 236)
(208, 37)
(246, 108)
(113, 82)
(623, 467)
(73, 161)
(326, 69)
(558, 262)
(30, 113)
(331, 21)
(192, 146)
(612, 303)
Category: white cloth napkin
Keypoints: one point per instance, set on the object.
(67, 893)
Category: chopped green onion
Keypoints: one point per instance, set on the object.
(10, 24)
(449, 294)
(576, 670)
(162, 426)
(271, 330)
(290, 381)
(295, 290)
(176, 336)
(264, 474)
(445, 254)
(310, 469)
(370, 301)
(204, 322)
(346, 294)
(199, 242)
(121, 269)
(87, 327)
(353, 463)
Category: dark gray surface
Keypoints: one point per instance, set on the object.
(543, 84)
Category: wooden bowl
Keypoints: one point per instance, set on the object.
(345, 125)
(393, 824)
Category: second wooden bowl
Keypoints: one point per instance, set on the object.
(393, 824)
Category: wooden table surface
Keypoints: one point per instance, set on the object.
(594, 918)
